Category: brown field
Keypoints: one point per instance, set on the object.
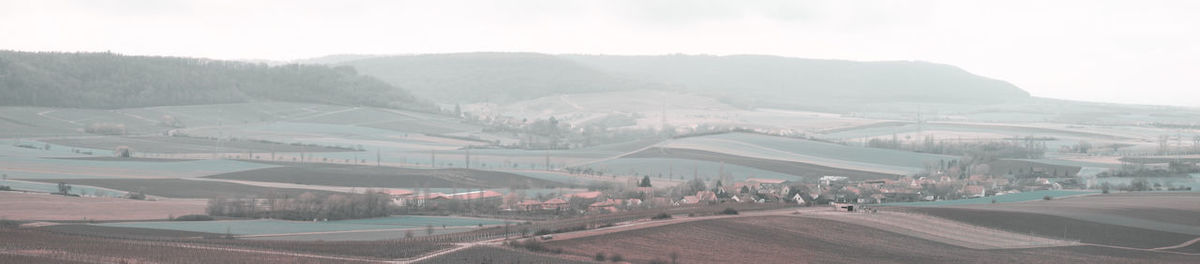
(781, 166)
(1060, 227)
(178, 188)
(29, 206)
(21, 246)
(786, 239)
(491, 254)
(164, 144)
(387, 177)
(1179, 208)
(122, 232)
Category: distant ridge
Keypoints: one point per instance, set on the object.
(107, 80)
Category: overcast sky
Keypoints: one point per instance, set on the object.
(1111, 51)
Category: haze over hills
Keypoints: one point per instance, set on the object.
(491, 77)
(504, 77)
(107, 80)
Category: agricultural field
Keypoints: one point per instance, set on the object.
(44, 187)
(674, 168)
(394, 226)
(1007, 198)
(816, 152)
(180, 188)
(122, 232)
(807, 170)
(1174, 212)
(492, 254)
(31, 168)
(170, 145)
(1061, 227)
(387, 177)
(780, 239)
(30, 206)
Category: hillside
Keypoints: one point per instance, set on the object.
(780, 80)
(107, 80)
(490, 77)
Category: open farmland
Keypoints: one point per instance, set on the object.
(1061, 227)
(781, 166)
(23, 206)
(50, 168)
(785, 239)
(382, 228)
(387, 177)
(820, 153)
(492, 254)
(179, 188)
(123, 232)
(686, 168)
(1007, 198)
(165, 144)
(1174, 212)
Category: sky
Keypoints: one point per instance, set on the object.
(1141, 52)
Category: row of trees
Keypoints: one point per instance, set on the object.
(306, 206)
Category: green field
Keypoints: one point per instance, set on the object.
(763, 146)
(686, 168)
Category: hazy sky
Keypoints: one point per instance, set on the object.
(1113, 51)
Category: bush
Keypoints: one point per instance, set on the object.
(194, 217)
(5, 188)
(660, 216)
(9, 223)
(1047, 198)
(599, 256)
(616, 258)
(658, 261)
(729, 211)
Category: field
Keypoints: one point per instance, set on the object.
(785, 239)
(676, 168)
(781, 166)
(382, 228)
(180, 188)
(1007, 198)
(1061, 227)
(44, 187)
(492, 254)
(816, 152)
(1174, 212)
(387, 177)
(22, 206)
(51, 168)
(165, 144)
(123, 232)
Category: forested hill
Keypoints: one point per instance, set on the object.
(106, 80)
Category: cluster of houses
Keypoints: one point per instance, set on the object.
(939, 185)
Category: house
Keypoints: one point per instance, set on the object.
(974, 191)
(556, 204)
(584, 195)
(529, 205)
(799, 199)
(608, 205)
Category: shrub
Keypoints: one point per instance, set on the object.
(194, 217)
(599, 256)
(5, 188)
(616, 258)
(658, 261)
(660, 216)
(9, 223)
(729, 211)
(1047, 198)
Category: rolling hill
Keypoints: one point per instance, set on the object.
(109, 81)
(775, 80)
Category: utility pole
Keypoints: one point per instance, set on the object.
(432, 159)
(378, 158)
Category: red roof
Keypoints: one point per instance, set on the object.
(530, 202)
(556, 201)
(398, 192)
